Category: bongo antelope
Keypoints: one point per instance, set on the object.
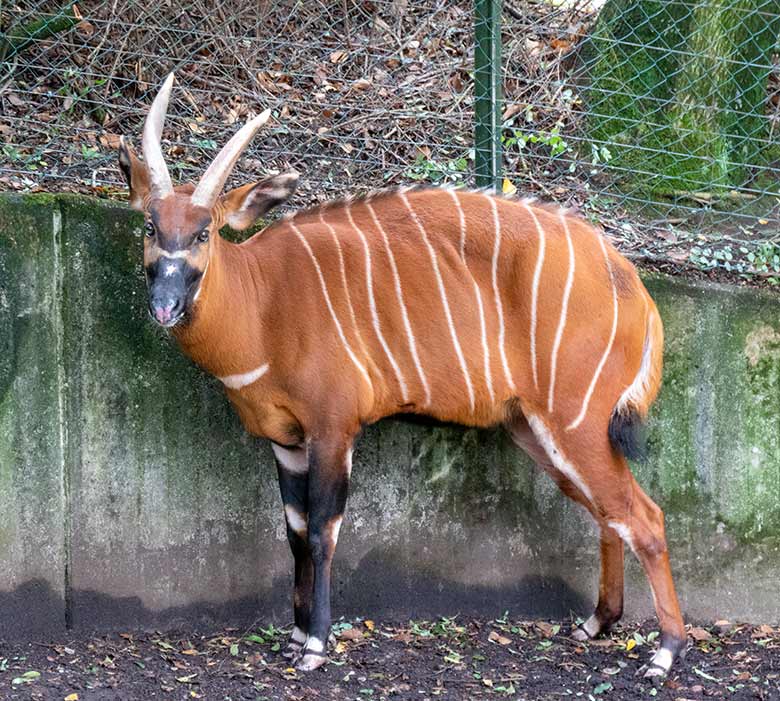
(458, 305)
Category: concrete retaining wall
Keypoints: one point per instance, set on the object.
(130, 495)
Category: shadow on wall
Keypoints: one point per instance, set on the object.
(379, 586)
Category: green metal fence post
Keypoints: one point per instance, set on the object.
(487, 92)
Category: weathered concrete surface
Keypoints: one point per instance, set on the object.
(32, 488)
(129, 493)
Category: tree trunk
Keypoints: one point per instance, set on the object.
(680, 88)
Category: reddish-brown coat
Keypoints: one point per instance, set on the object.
(262, 302)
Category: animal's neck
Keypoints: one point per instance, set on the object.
(228, 314)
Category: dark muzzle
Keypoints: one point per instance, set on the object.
(169, 281)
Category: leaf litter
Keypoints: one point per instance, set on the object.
(455, 658)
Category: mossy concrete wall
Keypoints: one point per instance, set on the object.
(130, 495)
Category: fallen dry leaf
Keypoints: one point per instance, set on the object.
(495, 637)
(109, 140)
(351, 634)
(545, 628)
(700, 634)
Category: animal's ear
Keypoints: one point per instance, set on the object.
(136, 174)
(245, 205)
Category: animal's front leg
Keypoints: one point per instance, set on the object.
(293, 468)
(329, 469)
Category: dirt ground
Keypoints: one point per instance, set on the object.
(424, 660)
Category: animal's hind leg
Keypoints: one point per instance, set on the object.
(610, 605)
(644, 532)
(586, 457)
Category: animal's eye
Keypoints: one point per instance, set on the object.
(203, 236)
(149, 229)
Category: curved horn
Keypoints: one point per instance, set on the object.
(159, 178)
(217, 173)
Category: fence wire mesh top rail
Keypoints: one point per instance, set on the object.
(668, 111)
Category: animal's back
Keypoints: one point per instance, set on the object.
(452, 302)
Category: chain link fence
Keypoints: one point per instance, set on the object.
(633, 110)
(358, 89)
(667, 110)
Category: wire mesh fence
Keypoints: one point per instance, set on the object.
(667, 111)
(671, 109)
(358, 89)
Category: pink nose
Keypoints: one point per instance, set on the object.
(163, 314)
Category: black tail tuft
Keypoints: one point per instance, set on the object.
(627, 434)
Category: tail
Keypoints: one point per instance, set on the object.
(626, 425)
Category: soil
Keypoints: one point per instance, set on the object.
(422, 660)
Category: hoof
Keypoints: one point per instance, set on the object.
(580, 635)
(293, 650)
(588, 630)
(653, 672)
(311, 661)
(671, 649)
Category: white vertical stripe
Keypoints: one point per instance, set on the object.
(564, 312)
(497, 292)
(608, 349)
(343, 267)
(372, 305)
(557, 458)
(443, 295)
(477, 294)
(329, 304)
(400, 295)
(535, 291)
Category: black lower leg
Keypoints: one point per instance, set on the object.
(328, 488)
(304, 581)
(294, 489)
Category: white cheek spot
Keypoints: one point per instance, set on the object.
(296, 520)
(293, 460)
(624, 532)
(202, 278)
(315, 645)
(298, 635)
(663, 659)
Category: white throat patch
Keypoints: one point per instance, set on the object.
(244, 379)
